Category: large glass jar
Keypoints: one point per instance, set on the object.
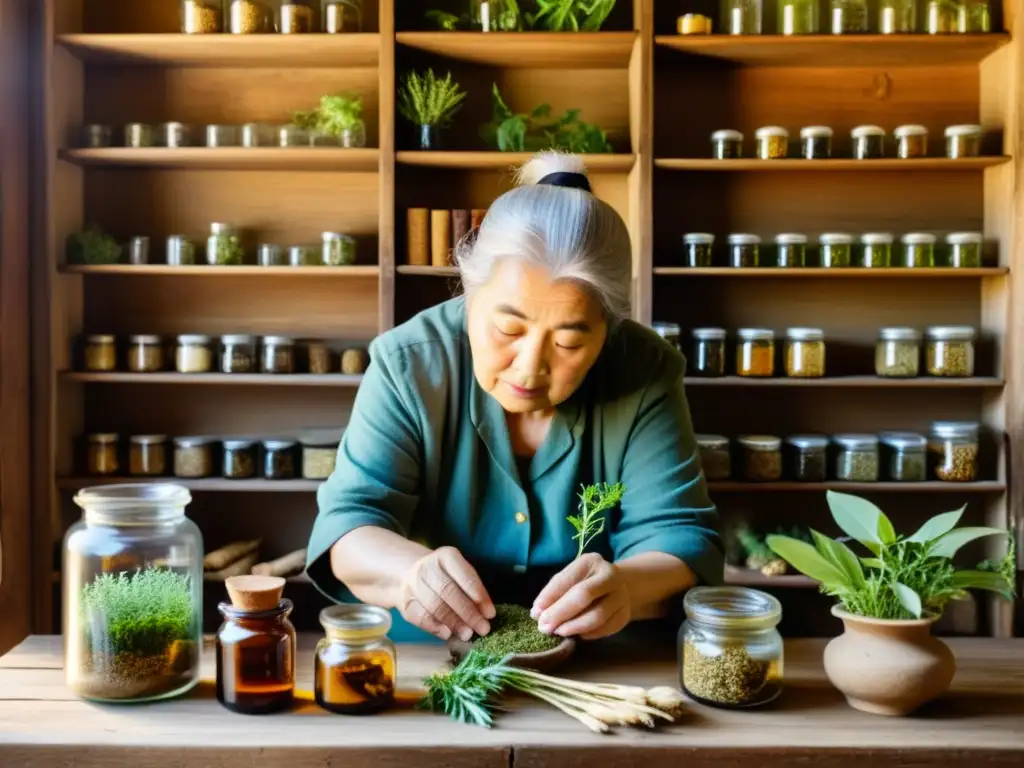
(250, 17)
(744, 250)
(897, 17)
(805, 353)
(755, 352)
(715, 458)
(791, 249)
(963, 141)
(949, 351)
(202, 17)
(903, 457)
(953, 451)
(356, 665)
(875, 250)
(848, 16)
(223, 248)
(898, 353)
(856, 458)
(806, 458)
(495, 15)
(295, 17)
(741, 17)
(943, 17)
(965, 249)
(342, 16)
(697, 246)
(760, 457)
(918, 250)
(798, 17)
(708, 358)
(730, 652)
(133, 578)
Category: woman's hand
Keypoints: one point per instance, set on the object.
(442, 594)
(589, 598)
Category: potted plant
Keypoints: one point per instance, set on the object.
(337, 121)
(887, 661)
(521, 132)
(429, 103)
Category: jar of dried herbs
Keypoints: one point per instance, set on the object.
(953, 451)
(297, 16)
(270, 255)
(772, 142)
(963, 141)
(918, 250)
(744, 250)
(202, 17)
(237, 354)
(898, 353)
(355, 665)
(138, 135)
(856, 458)
(715, 458)
(868, 142)
(223, 247)
(903, 457)
(727, 144)
(708, 358)
(805, 353)
(278, 355)
(181, 252)
(145, 353)
(318, 357)
(816, 142)
(911, 141)
(239, 459)
(791, 250)
(965, 249)
(221, 136)
(303, 256)
(97, 136)
(279, 459)
(250, 17)
(875, 250)
(338, 250)
(697, 247)
(806, 458)
(175, 135)
(976, 17)
(342, 16)
(292, 136)
(731, 652)
(849, 16)
(760, 457)
(101, 454)
(949, 351)
(354, 361)
(670, 332)
(193, 457)
(740, 17)
(256, 135)
(943, 17)
(755, 352)
(318, 458)
(193, 354)
(897, 17)
(147, 455)
(100, 353)
(835, 249)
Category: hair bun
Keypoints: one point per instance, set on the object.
(546, 162)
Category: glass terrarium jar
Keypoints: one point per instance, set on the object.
(730, 650)
(897, 17)
(741, 17)
(698, 248)
(296, 17)
(848, 16)
(918, 249)
(708, 358)
(355, 666)
(875, 250)
(903, 457)
(965, 249)
(856, 458)
(949, 351)
(250, 17)
(715, 457)
(898, 353)
(495, 15)
(202, 17)
(755, 352)
(342, 16)
(963, 141)
(133, 577)
(953, 451)
(868, 142)
(798, 17)
(791, 249)
(806, 458)
(726, 144)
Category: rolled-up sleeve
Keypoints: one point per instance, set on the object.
(666, 507)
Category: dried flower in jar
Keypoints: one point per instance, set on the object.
(362, 683)
(100, 353)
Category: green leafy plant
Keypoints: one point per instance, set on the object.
(595, 500)
(904, 577)
(757, 555)
(335, 115)
(448, 22)
(536, 130)
(428, 99)
(92, 246)
(571, 15)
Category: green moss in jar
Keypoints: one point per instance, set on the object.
(965, 249)
(875, 250)
(918, 250)
(338, 250)
(223, 247)
(715, 458)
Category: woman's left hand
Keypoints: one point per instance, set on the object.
(588, 598)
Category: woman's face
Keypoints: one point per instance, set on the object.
(533, 339)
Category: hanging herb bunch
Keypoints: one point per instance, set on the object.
(509, 131)
(506, 16)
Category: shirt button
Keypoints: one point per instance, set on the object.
(520, 517)
(519, 568)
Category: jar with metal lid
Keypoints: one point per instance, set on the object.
(318, 457)
(175, 135)
(256, 135)
(193, 457)
(835, 249)
(943, 17)
(250, 17)
(296, 17)
(193, 354)
(806, 458)
(868, 142)
(741, 17)
(730, 650)
(292, 136)
(318, 357)
(181, 252)
(270, 255)
(727, 144)
(138, 135)
(353, 136)
(744, 250)
(237, 354)
(805, 353)
(697, 246)
(898, 353)
(772, 142)
(965, 249)
(798, 17)
(897, 17)
(755, 352)
(138, 250)
(221, 136)
(148, 455)
(911, 141)
(279, 459)
(875, 250)
(715, 459)
(976, 17)
(708, 358)
(670, 332)
(848, 16)
(760, 457)
(354, 361)
(239, 459)
(223, 247)
(97, 136)
(338, 250)
(278, 355)
(303, 256)
(791, 249)
(355, 665)
(918, 250)
(202, 17)
(100, 353)
(963, 141)
(342, 16)
(102, 455)
(953, 451)
(816, 142)
(903, 457)
(949, 351)
(145, 353)
(856, 458)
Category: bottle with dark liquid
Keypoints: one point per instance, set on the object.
(355, 663)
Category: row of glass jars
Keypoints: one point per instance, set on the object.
(201, 457)
(177, 135)
(803, 17)
(251, 17)
(963, 250)
(772, 142)
(224, 248)
(949, 453)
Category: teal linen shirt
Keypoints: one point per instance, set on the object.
(427, 454)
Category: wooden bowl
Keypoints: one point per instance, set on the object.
(544, 661)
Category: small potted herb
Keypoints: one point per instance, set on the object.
(429, 102)
(336, 121)
(92, 246)
(887, 661)
(570, 15)
(509, 131)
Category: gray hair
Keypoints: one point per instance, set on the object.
(569, 231)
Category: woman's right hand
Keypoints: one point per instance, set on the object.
(442, 594)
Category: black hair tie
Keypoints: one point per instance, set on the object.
(567, 179)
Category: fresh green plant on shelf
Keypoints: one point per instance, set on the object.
(339, 116)
(447, 22)
(521, 132)
(756, 555)
(571, 15)
(429, 102)
(92, 246)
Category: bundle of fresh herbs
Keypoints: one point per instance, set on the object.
(530, 132)
(338, 115)
(428, 99)
(551, 15)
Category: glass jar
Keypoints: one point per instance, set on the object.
(255, 135)
(760, 458)
(133, 578)
(239, 460)
(953, 451)
(772, 142)
(256, 659)
(97, 136)
(193, 354)
(868, 142)
(292, 136)
(876, 250)
(193, 457)
(278, 355)
(303, 256)
(898, 353)
(963, 141)
(354, 361)
(295, 17)
(949, 351)
(223, 247)
(100, 353)
(849, 16)
(911, 141)
(145, 353)
(318, 357)
(342, 16)
(744, 250)
(715, 459)
(221, 136)
(697, 246)
(138, 250)
(965, 249)
(835, 249)
(755, 352)
(975, 17)
(181, 252)
(101, 455)
(270, 255)
(806, 458)
(202, 17)
(147, 455)
(918, 250)
(237, 354)
(791, 249)
(353, 137)
(856, 458)
(903, 457)
(726, 144)
(175, 135)
(731, 654)
(250, 17)
(708, 358)
(138, 135)
(897, 17)
(816, 142)
(356, 665)
(670, 332)
(338, 250)
(943, 17)
(798, 17)
(805, 353)
(741, 17)
(279, 459)
(318, 458)
(495, 16)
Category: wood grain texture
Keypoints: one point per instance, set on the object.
(386, 216)
(531, 50)
(217, 379)
(845, 164)
(229, 158)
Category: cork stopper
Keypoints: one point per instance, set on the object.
(255, 593)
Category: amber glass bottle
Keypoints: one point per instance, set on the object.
(355, 662)
(256, 659)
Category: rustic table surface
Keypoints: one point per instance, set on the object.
(979, 722)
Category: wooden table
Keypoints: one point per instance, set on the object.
(980, 722)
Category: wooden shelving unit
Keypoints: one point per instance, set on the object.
(658, 95)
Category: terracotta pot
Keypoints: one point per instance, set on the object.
(888, 667)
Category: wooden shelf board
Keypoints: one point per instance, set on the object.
(245, 270)
(410, 269)
(798, 165)
(533, 50)
(829, 273)
(747, 577)
(921, 382)
(205, 484)
(931, 486)
(274, 51)
(835, 51)
(505, 160)
(218, 379)
(228, 158)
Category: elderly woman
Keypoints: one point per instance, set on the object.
(480, 419)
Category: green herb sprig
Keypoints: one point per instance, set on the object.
(428, 99)
(509, 131)
(335, 114)
(571, 15)
(595, 500)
